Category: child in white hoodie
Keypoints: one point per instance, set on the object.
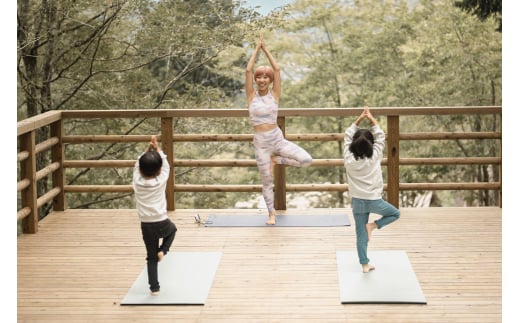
(151, 172)
(362, 155)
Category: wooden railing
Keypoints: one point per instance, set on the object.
(54, 120)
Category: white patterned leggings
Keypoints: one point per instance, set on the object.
(273, 142)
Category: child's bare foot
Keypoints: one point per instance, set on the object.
(272, 219)
(370, 227)
(367, 268)
(273, 163)
(160, 256)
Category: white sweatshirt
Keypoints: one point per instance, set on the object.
(365, 180)
(150, 195)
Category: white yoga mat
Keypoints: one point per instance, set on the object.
(185, 279)
(293, 220)
(393, 280)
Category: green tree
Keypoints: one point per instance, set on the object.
(453, 66)
(483, 9)
(377, 53)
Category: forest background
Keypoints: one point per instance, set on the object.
(172, 54)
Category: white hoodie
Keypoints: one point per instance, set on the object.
(365, 180)
(150, 194)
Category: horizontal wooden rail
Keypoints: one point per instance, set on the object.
(215, 163)
(23, 213)
(252, 163)
(98, 188)
(98, 163)
(22, 155)
(449, 135)
(48, 196)
(450, 161)
(37, 122)
(23, 184)
(293, 112)
(45, 145)
(449, 186)
(106, 138)
(47, 170)
(201, 188)
(217, 188)
(292, 137)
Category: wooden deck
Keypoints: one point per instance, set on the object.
(81, 263)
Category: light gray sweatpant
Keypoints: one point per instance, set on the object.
(273, 142)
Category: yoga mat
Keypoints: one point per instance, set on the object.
(393, 280)
(322, 220)
(185, 279)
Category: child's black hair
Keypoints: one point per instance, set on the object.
(150, 163)
(362, 144)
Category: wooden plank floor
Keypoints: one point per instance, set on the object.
(81, 263)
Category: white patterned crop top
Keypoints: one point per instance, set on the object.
(263, 109)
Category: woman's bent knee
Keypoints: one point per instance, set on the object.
(307, 162)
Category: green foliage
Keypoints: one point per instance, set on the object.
(129, 54)
(143, 54)
(483, 9)
(384, 53)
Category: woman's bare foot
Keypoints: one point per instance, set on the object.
(370, 227)
(367, 267)
(272, 219)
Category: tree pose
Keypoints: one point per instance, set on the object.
(271, 147)
(151, 172)
(362, 157)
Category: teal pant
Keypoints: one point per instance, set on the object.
(361, 210)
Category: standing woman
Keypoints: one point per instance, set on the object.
(271, 147)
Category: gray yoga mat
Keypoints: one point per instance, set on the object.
(185, 279)
(242, 220)
(393, 280)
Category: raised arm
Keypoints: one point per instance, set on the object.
(250, 90)
(379, 136)
(277, 82)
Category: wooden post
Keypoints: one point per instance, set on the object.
(167, 147)
(58, 176)
(28, 170)
(393, 160)
(279, 177)
(500, 177)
